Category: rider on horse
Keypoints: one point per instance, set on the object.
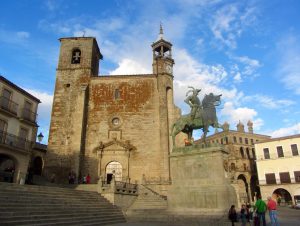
(193, 101)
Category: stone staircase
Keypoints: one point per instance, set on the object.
(149, 206)
(41, 205)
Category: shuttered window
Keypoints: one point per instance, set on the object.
(294, 149)
(280, 152)
(285, 177)
(297, 176)
(270, 178)
(266, 153)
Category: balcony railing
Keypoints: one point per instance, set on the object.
(28, 115)
(13, 141)
(8, 105)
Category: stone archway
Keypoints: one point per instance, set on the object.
(7, 168)
(283, 196)
(113, 168)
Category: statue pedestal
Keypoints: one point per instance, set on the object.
(199, 181)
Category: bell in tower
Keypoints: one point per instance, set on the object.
(162, 55)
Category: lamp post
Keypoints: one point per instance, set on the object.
(40, 137)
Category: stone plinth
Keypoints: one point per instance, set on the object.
(199, 181)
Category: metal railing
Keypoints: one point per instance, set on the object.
(8, 105)
(13, 141)
(29, 115)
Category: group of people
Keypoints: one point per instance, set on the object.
(256, 213)
(72, 178)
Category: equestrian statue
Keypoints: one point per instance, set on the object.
(203, 114)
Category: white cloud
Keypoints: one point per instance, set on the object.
(289, 71)
(14, 37)
(269, 102)
(243, 114)
(129, 66)
(292, 130)
(228, 23)
(22, 34)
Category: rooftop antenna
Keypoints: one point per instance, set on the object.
(83, 35)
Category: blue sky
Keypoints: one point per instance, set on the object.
(247, 50)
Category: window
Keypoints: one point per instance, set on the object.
(285, 177)
(252, 142)
(6, 96)
(76, 55)
(242, 153)
(294, 149)
(27, 113)
(221, 140)
(248, 153)
(253, 153)
(3, 126)
(241, 140)
(270, 178)
(226, 140)
(266, 153)
(280, 151)
(246, 140)
(234, 139)
(297, 176)
(23, 133)
(117, 94)
(245, 166)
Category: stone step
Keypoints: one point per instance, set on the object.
(59, 216)
(38, 205)
(38, 199)
(80, 220)
(10, 213)
(49, 192)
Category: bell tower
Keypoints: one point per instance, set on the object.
(162, 56)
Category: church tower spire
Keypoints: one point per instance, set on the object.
(162, 55)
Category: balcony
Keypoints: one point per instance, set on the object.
(14, 142)
(28, 115)
(8, 106)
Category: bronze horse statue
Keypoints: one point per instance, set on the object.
(205, 116)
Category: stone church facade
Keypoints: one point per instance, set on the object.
(110, 126)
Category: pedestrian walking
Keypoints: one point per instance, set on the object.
(272, 207)
(260, 207)
(232, 216)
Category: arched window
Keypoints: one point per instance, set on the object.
(248, 153)
(253, 153)
(76, 55)
(234, 140)
(242, 152)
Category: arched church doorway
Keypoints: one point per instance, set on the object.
(7, 168)
(37, 166)
(243, 188)
(113, 168)
(283, 196)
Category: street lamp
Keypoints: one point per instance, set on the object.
(40, 137)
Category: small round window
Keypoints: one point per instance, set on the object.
(115, 121)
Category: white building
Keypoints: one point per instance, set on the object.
(278, 167)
